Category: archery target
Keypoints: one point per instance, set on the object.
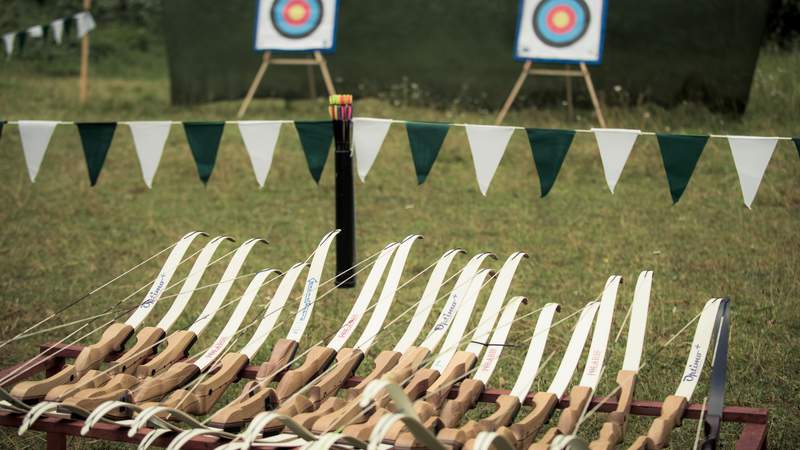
(296, 25)
(560, 30)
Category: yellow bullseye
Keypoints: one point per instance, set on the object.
(296, 13)
(560, 19)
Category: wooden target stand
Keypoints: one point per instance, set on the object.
(317, 59)
(569, 74)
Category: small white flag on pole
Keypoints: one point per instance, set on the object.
(84, 23)
(751, 156)
(615, 146)
(368, 137)
(8, 42)
(35, 136)
(259, 139)
(149, 139)
(58, 30)
(488, 144)
(35, 31)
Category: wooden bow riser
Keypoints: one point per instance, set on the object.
(256, 395)
(671, 416)
(457, 438)
(613, 430)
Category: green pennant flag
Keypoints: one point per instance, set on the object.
(45, 32)
(204, 140)
(549, 148)
(67, 25)
(680, 154)
(425, 140)
(22, 37)
(2, 123)
(797, 144)
(315, 138)
(96, 140)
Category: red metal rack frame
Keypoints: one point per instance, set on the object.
(753, 436)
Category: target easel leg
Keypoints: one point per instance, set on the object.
(514, 92)
(251, 92)
(587, 77)
(326, 75)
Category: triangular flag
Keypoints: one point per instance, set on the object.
(368, 136)
(615, 146)
(549, 148)
(680, 154)
(96, 140)
(315, 137)
(425, 140)
(58, 30)
(68, 23)
(35, 31)
(35, 136)
(797, 144)
(22, 38)
(2, 122)
(487, 144)
(259, 139)
(751, 156)
(204, 140)
(149, 139)
(84, 23)
(8, 43)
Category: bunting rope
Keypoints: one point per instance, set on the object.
(680, 152)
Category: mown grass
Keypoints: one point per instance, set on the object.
(60, 237)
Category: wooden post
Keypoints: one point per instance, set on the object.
(513, 94)
(595, 102)
(84, 77)
(326, 75)
(251, 92)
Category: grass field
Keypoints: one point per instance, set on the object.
(59, 237)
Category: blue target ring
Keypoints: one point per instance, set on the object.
(296, 19)
(561, 23)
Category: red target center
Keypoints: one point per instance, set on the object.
(296, 12)
(561, 19)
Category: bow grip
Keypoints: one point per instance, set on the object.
(347, 361)
(155, 387)
(461, 362)
(177, 347)
(317, 360)
(523, 432)
(613, 430)
(112, 340)
(454, 410)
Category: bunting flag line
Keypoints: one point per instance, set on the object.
(751, 156)
(487, 144)
(425, 140)
(35, 137)
(680, 154)
(58, 30)
(315, 138)
(368, 137)
(204, 138)
(84, 23)
(259, 139)
(615, 146)
(96, 140)
(549, 148)
(149, 139)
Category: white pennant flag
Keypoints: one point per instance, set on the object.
(488, 144)
(149, 139)
(751, 156)
(58, 30)
(368, 136)
(8, 42)
(259, 139)
(35, 31)
(35, 136)
(84, 23)
(615, 146)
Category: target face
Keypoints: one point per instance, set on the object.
(296, 25)
(296, 18)
(560, 30)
